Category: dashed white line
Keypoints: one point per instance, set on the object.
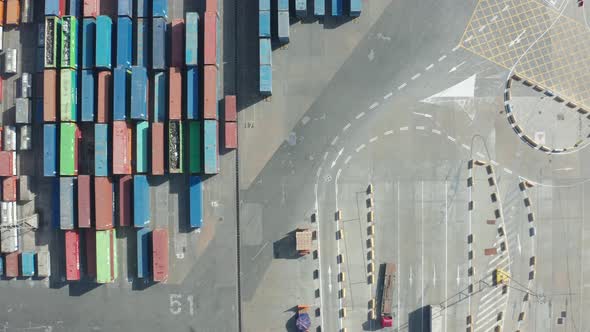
(403, 128)
(360, 115)
(456, 48)
(481, 155)
(419, 127)
(429, 66)
(402, 86)
(373, 139)
(452, 139)
(318, 172)
(373, 105)
(416, 76)
(494, 18)
(325, 155)
(442, 58)
(347, 160)
(468, 38)
(436, 131)
(482, 28)
(507, 171)
(346, 127)
(334, 140)
(362, 146)
(387, 96)
(389, 132)
(466, 147)
(337, 157)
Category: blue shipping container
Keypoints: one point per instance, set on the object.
(159, 50)
(124, 41)
(52, 8)
(336, 7)
(160, 8)
(266, 79)
(125, 8)
(264, 5)
(141, 201)
(283, 5)
(104, 40)
(319, 7)
(356, 6)
(88, 42)
(160, 99)
(192, 39)
(210, 140)
(1, 266)
(283, 26)
(265, 51)
(143, 252)
(142, 39)
(27, 263)
(264, 24)
(301, 8)
(142, 8)
(139, 93)
(38, 114)
(192, 93)
(88, 108)
(66, 203)
(196, 201)
(101, 149)
(120, 93)
(74, 7)
(49, 149)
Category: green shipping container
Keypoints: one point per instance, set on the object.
(52, 30)
(68, 95)
(195, 146)
(106, 256)
(69, 42)
(175, 147)
(69, 136)
(141, 148)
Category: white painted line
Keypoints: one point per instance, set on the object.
(373, 139)
(388, 95)
(456, 67)
(481, 155)
(419, 127)
(362, 146)
(402, 86)
(495, 163)
(468, 39)
(507, 170)
(442, 58)
(456, 48)
(495, 259)
(338, 156)
(389, 132)
(505, 8)
(482, 28)
(490, 318)
(373, 105)
(346, 127)
(403, 128)
(489, 305)
(334, 140)
(347, 160)
(466, 147)
(452, 139)
(429, 66)
(326, 155)
(360, 115)
(436, 131)
(494, 18)
(491, 292)
(318, 172)
(416, 76)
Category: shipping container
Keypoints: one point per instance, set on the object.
(11, 265)
(56, 7)
(143, 252)
(55, 203)
(106, 256)
(41, 34)
(265, 51)
(27, 263)
(9, 138)
(266, 80)
(124, 41)
(50, 95)
(43, 264)
(25, 141)
(66, 203)
(231, 108)
(231, 135)
(74, 8)
(104, 100)
(211, 147)
(177, 43)
(103, 203)
(52, 29)
(210, 36)
(1, 266)
(195, 201)
(283, 5)
(12, 12)
(141, 201)
(142, 8)
(69, 42)
(264, 5)
(121, 93)
(160, 254)
(142, 39)
(101, 149)
(90, 235)
(141, 146)
(9, 234)
(23, 111)
(91, 8)
(38, 113)
(356, 6)
(25, 85)
(103, 47)
(175, 147)
(175, 94)
(69, 139)
(49, 150)
(159, 49)
(39, 59)
(210, 93)
(84, 199)
(88, 42)
(139, 93)
(125, 8)
(283, 26)
(10, 61)
(160, 8)
(337, 7)
(122, 147)
(195, 146)
(264, 24)
(160, 86)
(72, 250)
(124, 199)
(192, 93)
(157, 151)
(301, 8)
(9, 188)
(192, 39)
(25, 188)
(88, 107)
(2, 12)
(68, 83)
(319, 7)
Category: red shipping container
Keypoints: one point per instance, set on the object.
(210, 44)
(2, 84)
(231, 109)
(9, 189)
(91, 8)
(231, 135)
(6, 163)
(72, 239)
(211, 6)
(1, 133)
(122, 147)
(104, 96)
(103, 202)
(157, 148)
(160, 254)
(124, 199)
(175, 94)
(11, 261)
(210, 93)
(177, 47)
(49, 95)
(91, 252)
(84, 206)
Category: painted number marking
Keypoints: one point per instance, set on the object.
(176, 304)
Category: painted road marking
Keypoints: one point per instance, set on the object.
(403, 128)
(494, 18)
(452, 139)
(360, 115)
(416, 76)
(456, 67)
(469, 38)
(402, 86)
(389, 132)
(362, 146)
(436, 131)
(429, 66)
(479, 154)
(388, 95)
(346, 127)
(466, 147)
(419, 127)
(338, 156)
(325, 155)
(334, 140)
(507, 171)
(373, 105)
(373, 139)
(482, 28)
(347, 160)
(442, 58)
(456, 48)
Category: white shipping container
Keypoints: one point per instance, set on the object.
(26, 85)
(5, 213)
(9, 138)
(25, 192)
(43, 264)
(1, 37)
(27, 11)
(10, 61)
(9, 233)
(23, 111)
(24, 142)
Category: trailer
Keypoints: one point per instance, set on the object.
(195, 201)
(387, 295)
(160, 255)
(303, 241)
(106, 256)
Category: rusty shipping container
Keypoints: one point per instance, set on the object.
(175, 94)
(49, 95)
(231, 109)
(103, 203)
(160, 254)
(11, 261)
(9, 189)
(72, 241)
(231, 135)
(12, 12)
(2, 11)
(210, 93)
(122, 147)
(210, 36)
(6, 163)
(104, 102)
(91, 8)
(157, 148)
(177, 47)
(124, 199)
(211, 5)
(90, 252)
(84, 206)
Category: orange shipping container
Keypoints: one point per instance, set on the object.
(2, 12)
(157, 148)
(49, 95)
(175, 94)
(104, 96)
(103, 202)
(211, 6)
(12, 12)
(210, 36)
(210, 93)
(230, 109)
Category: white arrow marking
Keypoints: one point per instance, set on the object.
(338, 156)
(458, 277)
(330, 278)
(411, 276)
(456, 67)
(518, 242)
(434, 276)
(423, 114)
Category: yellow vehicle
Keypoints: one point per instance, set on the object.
(500, 276)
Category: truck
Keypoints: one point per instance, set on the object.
(426, 319)
(387, 288)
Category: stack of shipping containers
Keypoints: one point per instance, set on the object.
(264, 35)
(283, 20)
(210, 89)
